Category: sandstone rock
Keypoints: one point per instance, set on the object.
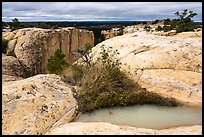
(189, 34)
(170, 66)
(107, 34)
(97, 128)
(11, 47)
(34, 45)
(33, 105)
(188, 130)
(161, 33)
(171, 33)
(12, 67)
(7, 78)
(104, 128)
(8, 35)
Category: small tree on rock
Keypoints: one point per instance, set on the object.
(14, 24)
(57, 63)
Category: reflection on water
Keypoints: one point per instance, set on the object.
(146, 116)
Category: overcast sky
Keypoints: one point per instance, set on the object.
(66, 11)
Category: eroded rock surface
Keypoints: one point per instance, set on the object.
(170, 66)
(11, 69)
(33, 46)
(35, 104)
(104, 128)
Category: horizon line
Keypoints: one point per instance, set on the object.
(88, 20)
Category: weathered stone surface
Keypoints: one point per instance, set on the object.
(34, 45)
(161, 33)
(35, 104)
(11, 69)
(8, 35)
(11, 47)
(97, 128)
(171, 66)
(7, 78)
(188, 130)
(189, 34)
(103, 128)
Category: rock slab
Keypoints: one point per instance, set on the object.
(36, 104)
(104, 128)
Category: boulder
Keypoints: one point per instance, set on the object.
(170, 66)
(36, 104)
(104, 128)
(12, 68)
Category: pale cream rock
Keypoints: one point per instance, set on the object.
(162, 33)
(189, 34)
(35, 104)
(8, 35)
(185, 130)
(104, 128)
(11, 47)
(97, 128)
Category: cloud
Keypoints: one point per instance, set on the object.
(33, 11)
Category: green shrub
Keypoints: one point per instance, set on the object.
(57, 63)
(166, 28)
(4, 45)
(147, 28)
(159, 28)
(166, 21)
(155, 22)
(14, 24)
(182, 24)
(102, 84)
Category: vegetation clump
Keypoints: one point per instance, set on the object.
(183, 23)
(15, 24)
(101, 82)
(147, 28)
(159, 28)
(155, 22)
(56, 64)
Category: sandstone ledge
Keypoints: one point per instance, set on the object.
(104, 128)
